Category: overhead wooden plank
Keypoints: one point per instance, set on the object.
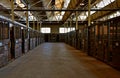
(99, 14)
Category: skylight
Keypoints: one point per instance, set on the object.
(20, 3)
(66, 3)
(115, 14)
(99, 5)
(104, 3)
(58, 15)
(59, 4)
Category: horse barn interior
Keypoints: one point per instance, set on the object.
(59, 38)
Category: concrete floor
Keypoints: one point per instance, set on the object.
(57, 60)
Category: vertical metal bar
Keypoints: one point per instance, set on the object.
(64, 33)
(109, 24)
(67, 33)
(76, 20)
(71, 24)
(33, 22)
(37, 25)
(89, 10)
(40, 26)
(64, 28)
(67, 26)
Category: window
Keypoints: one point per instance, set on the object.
(65, 30)
(62, 30)
(45, 30)
(70, 29)
(100, 4)
(104, 3)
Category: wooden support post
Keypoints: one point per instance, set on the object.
(13, 17)
(89, 10)
(12, 9)
(27, 18)
(76, 21)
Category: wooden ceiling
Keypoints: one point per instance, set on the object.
(73, 4)
(48, 4)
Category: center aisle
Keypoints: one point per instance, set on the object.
(57, 60)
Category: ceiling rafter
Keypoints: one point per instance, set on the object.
(67, 14)
(36, 3)
(97, 15)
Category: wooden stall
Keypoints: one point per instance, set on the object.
(25, 41)
(4, 43)
(114, 42)
(16, 41)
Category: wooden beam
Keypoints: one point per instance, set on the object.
(113, 5)
(71, 6)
